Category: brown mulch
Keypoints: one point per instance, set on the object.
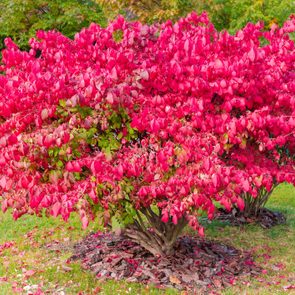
(266, 218)
(197, 264)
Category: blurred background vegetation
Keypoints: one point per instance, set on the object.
(20, 19)
(225, 14)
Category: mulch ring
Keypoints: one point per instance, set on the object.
(266, 218)
(197, 264)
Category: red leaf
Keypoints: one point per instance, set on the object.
(201, 231)
(3, 182)
(165, 217)
(240, 203)
(85, 222)
(29, 273)
(56, 208)
(251, 54)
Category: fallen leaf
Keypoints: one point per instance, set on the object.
(29, 273)
(96, 291)
(217, 283)
(66, 268)
(289, 287)
(174, 280)
(264, 271)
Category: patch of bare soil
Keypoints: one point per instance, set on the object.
(197, 264)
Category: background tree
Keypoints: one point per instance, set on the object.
(269, 11)
(150, 11)
(20, 19)
(225, 14)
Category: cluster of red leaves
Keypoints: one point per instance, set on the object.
(211, 117)
(5, 246)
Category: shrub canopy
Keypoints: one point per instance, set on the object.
(164, 121)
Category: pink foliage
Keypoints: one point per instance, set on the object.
(213, 117)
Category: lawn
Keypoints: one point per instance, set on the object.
(37, 257)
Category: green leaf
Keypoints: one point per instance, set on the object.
(62, 103)
(77, 175)
(60, 164)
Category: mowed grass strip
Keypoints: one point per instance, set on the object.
(38, 257)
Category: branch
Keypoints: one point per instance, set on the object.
(155, 222)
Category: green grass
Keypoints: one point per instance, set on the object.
(278, 242)
(31, 235)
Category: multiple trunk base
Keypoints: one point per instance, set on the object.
(264, 217)
(153, 234)
(254, 211)
(158, 241)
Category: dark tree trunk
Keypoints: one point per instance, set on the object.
(254, 205)
(154, 235)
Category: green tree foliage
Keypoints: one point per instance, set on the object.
(150, 11)
(269, 11)
(20, 19)
(225, 14)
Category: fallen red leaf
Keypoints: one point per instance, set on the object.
(3, 279)
(289, 287)
(29, 273)
(264, 271)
